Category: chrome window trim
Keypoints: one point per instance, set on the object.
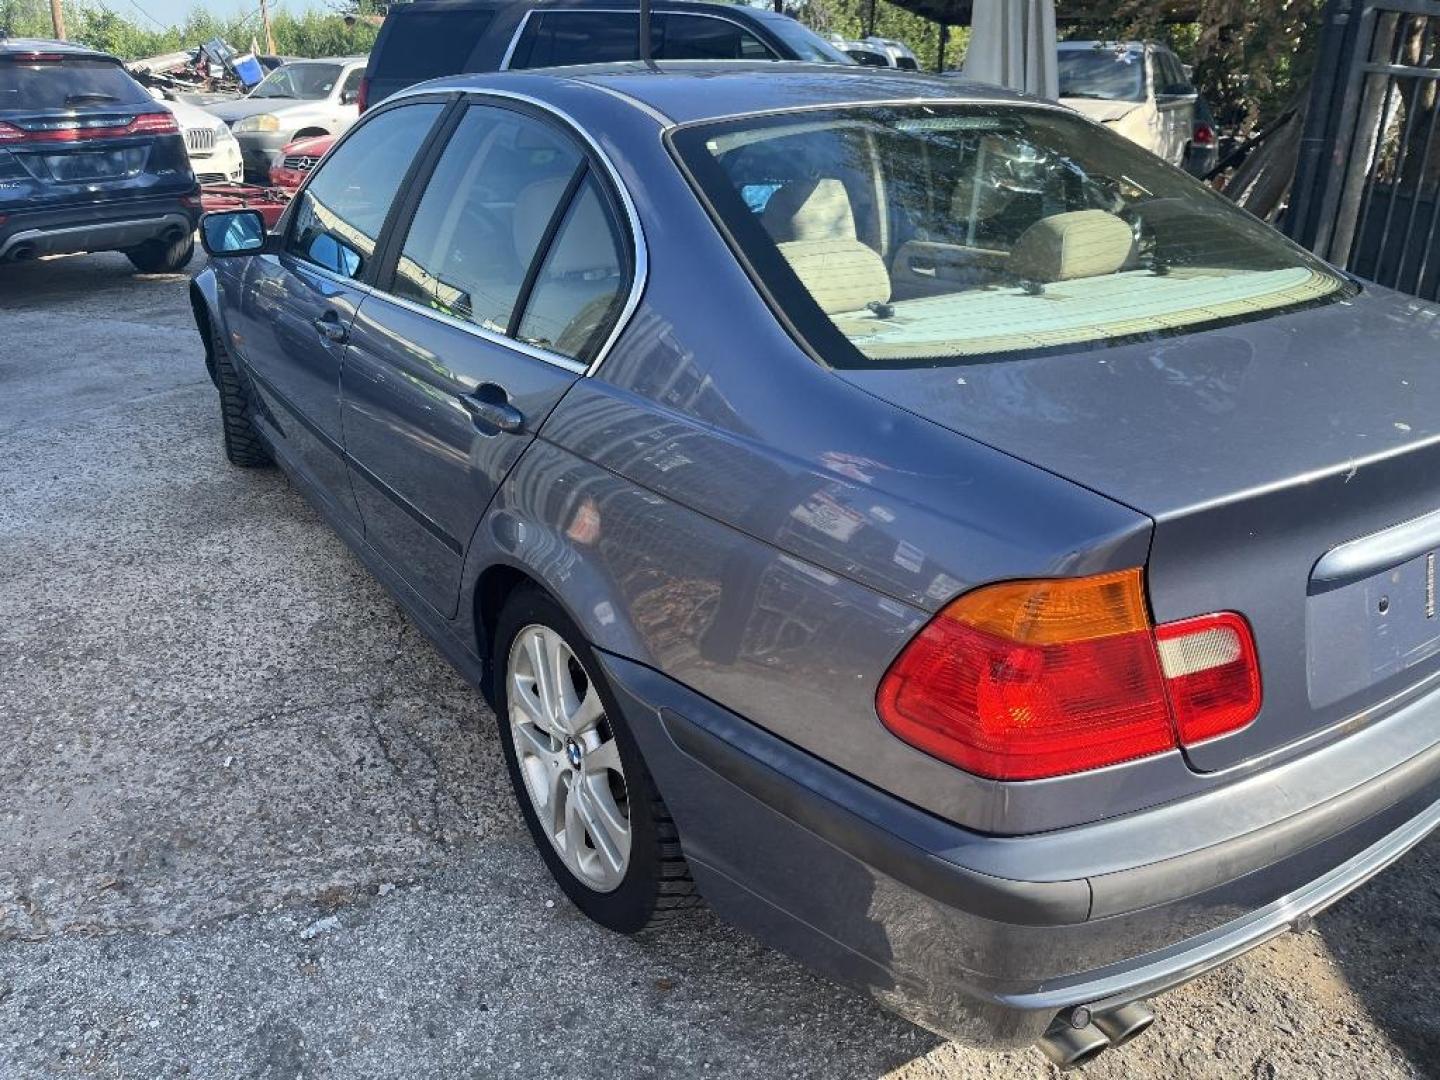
(662, 10)
(640, 271)
(515, 40)
(475, 330)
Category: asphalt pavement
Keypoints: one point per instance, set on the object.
(251, 824)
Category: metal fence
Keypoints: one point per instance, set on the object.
(1367, 188)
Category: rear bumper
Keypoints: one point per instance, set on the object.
(924, 914)
(108, 226)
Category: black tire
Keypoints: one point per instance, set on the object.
(243, 445)
(657, 880)
(161, 256)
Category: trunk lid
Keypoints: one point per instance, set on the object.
(1257, 449)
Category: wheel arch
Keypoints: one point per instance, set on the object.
(309, 133)
(204, 323)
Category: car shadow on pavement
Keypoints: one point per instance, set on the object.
(1383, 938)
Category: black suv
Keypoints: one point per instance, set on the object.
(430, 38)
(89, 161)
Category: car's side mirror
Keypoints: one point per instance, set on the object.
(233, 232)
(350, 97)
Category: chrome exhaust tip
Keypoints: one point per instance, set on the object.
(1123, 1024)
(1070, 1047)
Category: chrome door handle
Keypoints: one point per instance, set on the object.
(330, 328)
(490, 405)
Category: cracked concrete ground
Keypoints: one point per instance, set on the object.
(251, 825)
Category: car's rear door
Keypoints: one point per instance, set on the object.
(77, 128)
(290, 325)
(497, 293)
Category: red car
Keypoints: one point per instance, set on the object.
(299, 157)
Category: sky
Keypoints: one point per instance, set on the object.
(173, 12)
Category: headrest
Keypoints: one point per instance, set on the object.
(1080, 244)
(842, 275)
(809, 210)
(533, 207)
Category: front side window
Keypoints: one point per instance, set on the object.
(484, 215)
(947, 233)
(341, 211)
(304, 82)
(1104, 73)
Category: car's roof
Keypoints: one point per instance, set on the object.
(10, 46)
(686, 92)
(1131, 46)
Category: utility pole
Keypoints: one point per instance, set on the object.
(57, 20)
(265, 21)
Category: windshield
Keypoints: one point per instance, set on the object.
(805, 43)
(1104, 73)
(927, 234)
(308, 82)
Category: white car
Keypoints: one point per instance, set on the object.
(1139, 89)
(213, 149)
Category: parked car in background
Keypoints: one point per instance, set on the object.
(863, 52)
(1203, 153)
(298, 158)
(885, 505)
(89, 161)
(445, 37)
(307, 97)
(879, 52)
(1139, 89)
(214, 152)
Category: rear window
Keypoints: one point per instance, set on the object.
(50, 84)
(932, 234)
(419, 45)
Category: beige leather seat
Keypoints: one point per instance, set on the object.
(582, 274)
(813, 225)
(1078, 244)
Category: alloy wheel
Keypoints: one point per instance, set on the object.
(568, 757)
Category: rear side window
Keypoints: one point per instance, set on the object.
(581, 282)
(65, 84)
(343, 208)
(421, 45)
(561, 38)
(484, 215)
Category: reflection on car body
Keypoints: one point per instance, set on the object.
(882, 505)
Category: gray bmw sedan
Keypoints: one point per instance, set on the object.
(963, 549)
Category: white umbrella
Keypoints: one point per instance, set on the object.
(1012, 44)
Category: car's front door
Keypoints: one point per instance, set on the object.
(299, 304)
(493, 299)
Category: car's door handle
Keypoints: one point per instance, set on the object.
(330, 328)
(489, 405)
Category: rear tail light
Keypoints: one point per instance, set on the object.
(144, 124)
(362, 95)
(1030, 679)
(1212, 674)
(154, 124)
(1204, 135)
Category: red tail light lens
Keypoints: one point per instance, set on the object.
(362, 95)
(144, 124)
(1030, 679)
(1212, 674)
(1203, 135)
(154, 124)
